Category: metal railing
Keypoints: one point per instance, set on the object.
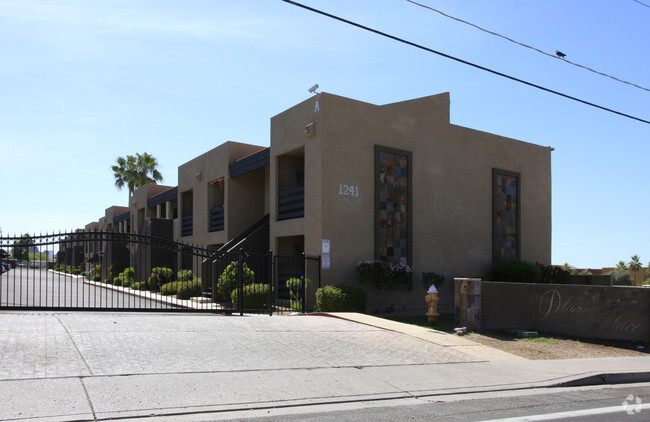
(187, 225)
(217, 220)
(291, 203)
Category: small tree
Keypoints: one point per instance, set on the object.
(21, 247)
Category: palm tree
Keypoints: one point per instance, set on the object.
(635, 265)
(134, 171)
(621, 266)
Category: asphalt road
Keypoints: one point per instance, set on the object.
(31, 288)
(629, 402)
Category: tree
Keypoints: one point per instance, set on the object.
(621, 266)
(21, 247)
(134, 171)
(635, 266)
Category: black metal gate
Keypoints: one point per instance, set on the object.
(111, 271)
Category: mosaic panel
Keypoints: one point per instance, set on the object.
(393, 207)
(506, 216)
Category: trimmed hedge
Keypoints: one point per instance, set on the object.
(341, 298)
(515, 271)
(256, 296)
(189, 289)
(182, 289)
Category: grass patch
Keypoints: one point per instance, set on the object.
(446, 322)
(547, 340)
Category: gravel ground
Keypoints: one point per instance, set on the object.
(554, 347)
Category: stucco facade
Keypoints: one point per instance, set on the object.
(451, 198)
(354, 181)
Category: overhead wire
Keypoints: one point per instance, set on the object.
(646, 5)
(413, 44)
(554, 56)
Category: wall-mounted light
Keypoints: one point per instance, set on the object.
(198, 176)
(310, 130)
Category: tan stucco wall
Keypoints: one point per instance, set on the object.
(239, 202)
(451, 182)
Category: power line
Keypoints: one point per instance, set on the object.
(383, 34)
(641, 3)
(554, 56)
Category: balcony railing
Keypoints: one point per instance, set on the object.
(291, 203)
(216, 222)
(188, 224)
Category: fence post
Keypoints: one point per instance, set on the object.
(269, 269)
(240, 282)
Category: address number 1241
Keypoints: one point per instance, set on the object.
(349, 190)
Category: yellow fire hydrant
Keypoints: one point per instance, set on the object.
(432, 300)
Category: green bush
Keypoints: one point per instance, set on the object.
(295, 288)
(115, 270)
(160, 276)
(170, 288)
(256, 296)
(431, 278)
(125, 278)
(139, 285)
(228, 279)
(553, 274)
(340, 298)
(515, 271)
(184, 275)
(96, 273)
(622, 277)
(189, 289)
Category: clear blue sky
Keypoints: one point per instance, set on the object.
(83, 82)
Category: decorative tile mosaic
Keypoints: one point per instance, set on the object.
(393, 208)
(506, 224)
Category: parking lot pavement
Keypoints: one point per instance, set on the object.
(94, 366)
(46, 345)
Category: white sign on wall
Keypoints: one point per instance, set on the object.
(325, 254)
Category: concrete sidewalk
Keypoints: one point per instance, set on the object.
(95, 366)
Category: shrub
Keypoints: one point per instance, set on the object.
(340, 298)
(295, 291)
(125, 278)
(383, 274)
(160, 276)
(515, 271)
(256, 296)
(189, 289)
(228, 279)
(553, 274)
(170, 288)
(429, 278)
(139, 285)
(622, 277)
(96, 273)
(115, 270)
(184, 275)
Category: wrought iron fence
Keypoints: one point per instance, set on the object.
(86, 270)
